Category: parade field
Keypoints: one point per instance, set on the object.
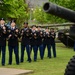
(53, 66)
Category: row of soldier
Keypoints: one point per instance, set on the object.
(31, 38)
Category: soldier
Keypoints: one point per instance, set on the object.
(40, 41)
(25, 42)
(13, 35)
(3, 35)
(46, 42)
(52, 41)
(34, 41)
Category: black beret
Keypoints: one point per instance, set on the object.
(47, 27)
(33, 25)
(25, 22)
(39, 26)
(13, 21)
(51, 28)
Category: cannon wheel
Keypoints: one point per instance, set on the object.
(70, 68)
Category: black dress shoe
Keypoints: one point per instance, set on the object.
(17, 63)
(35, 60)
(9, 64)
(49, 57)
(3, 64)
(30, 61)
(21, 61)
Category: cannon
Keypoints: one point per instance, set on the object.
(66, 14)
(69, 15)
(59, 11)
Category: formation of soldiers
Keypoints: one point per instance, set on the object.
(34, 38)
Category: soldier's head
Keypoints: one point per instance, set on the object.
(47, 29)
(25, 24)
(2, 21)
(13, 23)
(34, 27)
(52, 30)
(39, 28)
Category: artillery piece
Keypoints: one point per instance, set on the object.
(65, 14)
(70, 16)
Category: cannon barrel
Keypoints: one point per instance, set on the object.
(59, 11)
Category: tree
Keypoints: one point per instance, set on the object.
(39, 15)
(16, 9)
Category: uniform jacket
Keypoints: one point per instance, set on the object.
(40, 37)
(13, 40)
(3, 35)
(46, 38)
(34, 38)
(25, 34)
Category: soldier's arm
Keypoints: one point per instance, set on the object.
(53, 35)
(17, 33)
(4, 30)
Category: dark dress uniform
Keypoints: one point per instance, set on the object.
(34, 43)
(13, 44)
(3, 36)
(52, 43)
(46, 42)
(25, 42)
(40, 43)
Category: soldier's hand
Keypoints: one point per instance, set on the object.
(17, 30)
(4, 28)
(16, 35)
(9, 35)
(35, 34)
(22, 31)
(52, 36)
(40, 32)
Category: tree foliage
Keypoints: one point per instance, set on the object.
(16, 9)
(39, 15)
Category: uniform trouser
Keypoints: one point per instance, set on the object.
(16, 51)
(53, 49)
(22, 52)
(30, 46)
(41, 50)
(3, 50)
(48, 48)
(35, 49)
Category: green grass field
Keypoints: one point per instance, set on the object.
(53, 66)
